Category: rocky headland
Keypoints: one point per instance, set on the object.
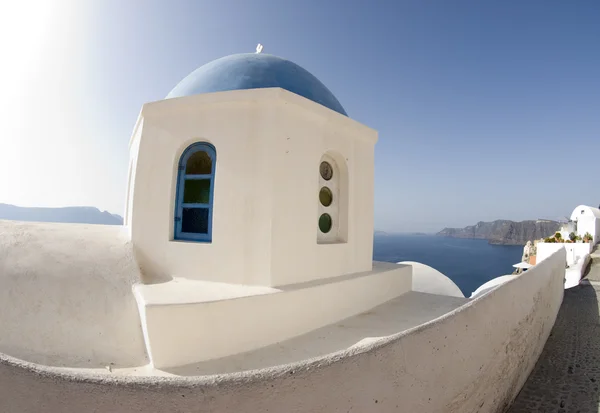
(79, 215)
(505, 232)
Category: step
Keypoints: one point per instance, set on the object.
(192, 321)
(395, 316)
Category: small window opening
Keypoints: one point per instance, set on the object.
(332, 200)
(195, 187)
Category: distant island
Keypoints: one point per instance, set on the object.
(381, 233)
(385, 234)
(505, 232)
(80, 215)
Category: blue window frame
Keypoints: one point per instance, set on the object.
(194, 196)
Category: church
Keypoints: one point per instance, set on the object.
(249, 186)
(243, 278)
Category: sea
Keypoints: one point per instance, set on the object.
(468, 262)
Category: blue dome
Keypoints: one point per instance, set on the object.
(255, 71)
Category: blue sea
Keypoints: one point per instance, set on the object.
(468, 262)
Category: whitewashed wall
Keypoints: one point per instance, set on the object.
(180, 333)
(474, 359)
(269, 145)
(65, 295)
(546, 249)
(591, 225)
(588, 220)
(427, 279)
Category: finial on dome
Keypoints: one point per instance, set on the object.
(259, 48)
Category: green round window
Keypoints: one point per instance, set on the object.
(325, 223)
(326, 170)
(325, 196)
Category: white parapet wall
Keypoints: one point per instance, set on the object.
(473, 359)
(182, 327)
(577, 258)
(65, 295)
(574, 250)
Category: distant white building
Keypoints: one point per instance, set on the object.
(588, 220)
(583, 220)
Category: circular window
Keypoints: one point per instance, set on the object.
(325, 196)
(326, 170)
(325, 223)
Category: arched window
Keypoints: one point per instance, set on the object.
(333, 201)
(195, 185)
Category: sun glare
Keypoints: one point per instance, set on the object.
(35, 42)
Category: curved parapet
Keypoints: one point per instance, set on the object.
(66, 295)
(575, 272)
(490, 285)
(427, 279)
(479, 356)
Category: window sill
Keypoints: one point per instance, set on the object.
(191, 241)
(331, 242)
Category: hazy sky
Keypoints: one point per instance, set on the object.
(485, 109)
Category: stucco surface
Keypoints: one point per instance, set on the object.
(574, 251)
(399, 314)
(493, 283)
(474, 358)
(65, 295)
(181, 332)
(267, 171)
(588, 220)
(566, 378)
(577, 212)
(186, 291)
(427, 279)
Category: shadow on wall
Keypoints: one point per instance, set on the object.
(151, 270)
(566, 377)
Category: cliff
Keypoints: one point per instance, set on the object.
(504, 231)
(81, 215)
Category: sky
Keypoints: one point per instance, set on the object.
(485, 110)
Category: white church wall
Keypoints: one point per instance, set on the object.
(337, 208)
(134, 148)
(265, 218)
(488, 347)
(310, 134)
(240, 247)
(181, 333)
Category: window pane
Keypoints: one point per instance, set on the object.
(196, 191)
(325, 196)
(326, 170)
(199, 164)
(325, 223)
(195, 220)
